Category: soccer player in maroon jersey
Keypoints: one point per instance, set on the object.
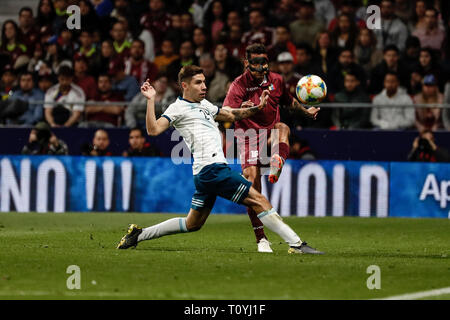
(249, 87)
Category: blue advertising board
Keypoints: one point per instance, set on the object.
(305, 188)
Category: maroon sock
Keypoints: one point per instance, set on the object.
(257, 225)
(283, 150)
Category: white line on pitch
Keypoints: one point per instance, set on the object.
(419, 295)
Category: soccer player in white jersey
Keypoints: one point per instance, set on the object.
(194, 117)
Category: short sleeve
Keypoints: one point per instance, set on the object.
(235, 95)
(172, 113)
(213, 109)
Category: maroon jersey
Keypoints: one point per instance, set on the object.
(251, 147)
(246, 88)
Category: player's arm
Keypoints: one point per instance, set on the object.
(154, 127)
(247, 110)
(310, 113)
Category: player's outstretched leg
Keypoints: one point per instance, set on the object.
(193, 222)
(253, 175)
(272, 220)
(280, 148)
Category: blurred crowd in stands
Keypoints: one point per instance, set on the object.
(122, 43)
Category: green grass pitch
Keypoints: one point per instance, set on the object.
(220, 261)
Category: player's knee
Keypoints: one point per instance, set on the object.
(282, 127)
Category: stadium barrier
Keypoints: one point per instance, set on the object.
(359, 145)
(315, 188)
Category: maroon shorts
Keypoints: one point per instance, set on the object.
(253, 147)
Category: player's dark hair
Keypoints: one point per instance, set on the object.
(256, 48)
(187, 72)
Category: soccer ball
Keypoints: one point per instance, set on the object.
(311, 90)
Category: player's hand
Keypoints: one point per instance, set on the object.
(263, 100)
(247, 104)
(147, 90)
(313, 112)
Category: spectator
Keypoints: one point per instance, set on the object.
(415, 82)
(392, 118)
(325, 52)
(89, 18)
(11, 41)
(259, 32)
(123, 83)
(136, 110)
(282, 43)
(45, 82)
(184, 32)
(27, 92)
(214, 20)
(431, 36)
(43, 142)
(404, 9)
(366, 53)
(186, 58)
(99, 146)
(286, 69)
(351, 118)
(429, 118)
(390, 63)
(65, 92)
(107, 55)
(66, 44)
(344, 64)
(305, 62)
(428, 64)
(284, 12)
(55, 57)
(123, 11)
(226, 63)
(418, 19)
(138, 146)
(216, 81)
(8, 82)
(201, 42)
(137, 66)
(120, 43)
(393, 30)
(60, 19)
(89, 51)
(157, 21)
(28, 32)
(84, 80)
(411, 54)
(345, 33)
(305, 28)
(324, 11)
(349, 8)
(104, 115)
(234, 43)
(45, 17)
(425, 149)
(167, 55)
(300, 149)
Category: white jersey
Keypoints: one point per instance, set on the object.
(195, 123)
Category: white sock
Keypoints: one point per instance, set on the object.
(171, 226)
(272, 220)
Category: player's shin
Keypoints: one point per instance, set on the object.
(272, 220)
(171, 226)
(257, 225)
